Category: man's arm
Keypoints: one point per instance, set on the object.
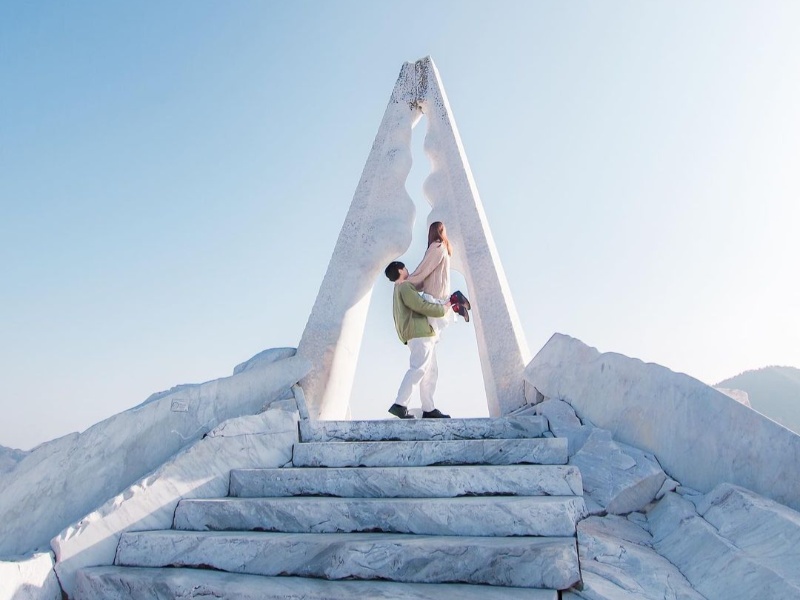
(415, 302)
(434, 255)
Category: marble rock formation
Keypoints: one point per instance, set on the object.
(9, 458)
(730, 543)
(701, 436)
(618, 562)
(31, 578)
(200, 471)
(61, 481)
(617, 478)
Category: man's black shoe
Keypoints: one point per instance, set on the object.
(400, 411)
(458, 298)
(434, 414)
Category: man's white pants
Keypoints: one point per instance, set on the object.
(422, 371)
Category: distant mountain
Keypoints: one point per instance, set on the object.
(773, 391)
(9, 457)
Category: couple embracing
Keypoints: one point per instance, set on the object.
(421, 307)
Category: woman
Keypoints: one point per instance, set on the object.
(432, 276)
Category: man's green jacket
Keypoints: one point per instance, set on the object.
(411, 313)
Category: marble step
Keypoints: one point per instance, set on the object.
(545, 451)
(423, 429)
(409, 482)
(129, 583)
(549, 563)
(467, 516)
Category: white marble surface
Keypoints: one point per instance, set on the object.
(758, 560)
(201, 471)
(451, 190)
(701, 437)
(666, 516)
(409, 482)
(9, 458)
(717, 568)
(417, 454)
(264, 357)
(620, 478)
(117, 583)
(551, 516)
(29, 578)
(563, 422)
(64, 480)
(377, 230)
(595, 587)
(765, 530)
(618, 562)
(524, 562)
(740, 396)
(423, 429)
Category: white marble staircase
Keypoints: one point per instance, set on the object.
(468, 508)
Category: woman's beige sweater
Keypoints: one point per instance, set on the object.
(432, 276)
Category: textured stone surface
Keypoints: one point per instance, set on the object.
(549, 563)
(264, 357)
(618, 562)
(669, 485)
(758, 561)
(201, 471)
(9, 458)
(618, 477)
(30, 578)
(767, 531)
(184, 584)
(451, 191)
(417, 454)
(563, 422)
(377, 229)
(596, 587)
(423, 429)
(718, 569)
(740, 396)
(484, 515)
(701, 437)
(667, 515)
(409, 482)
(64, 480)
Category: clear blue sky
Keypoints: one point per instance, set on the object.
(174, 175)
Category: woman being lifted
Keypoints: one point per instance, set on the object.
(432, 276)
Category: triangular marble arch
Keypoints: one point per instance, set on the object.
(378, 229)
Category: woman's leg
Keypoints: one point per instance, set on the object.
(438, 323)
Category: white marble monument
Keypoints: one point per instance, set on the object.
(377, 230)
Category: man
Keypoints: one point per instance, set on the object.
(411, 314)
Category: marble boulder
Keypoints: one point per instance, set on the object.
(29, 578)
(618, 477)
(60, 482)
(618, 562)
(758, 560)
(701, 436)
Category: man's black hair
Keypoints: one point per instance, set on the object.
(393, 270)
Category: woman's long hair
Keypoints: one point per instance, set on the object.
(437, 233)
